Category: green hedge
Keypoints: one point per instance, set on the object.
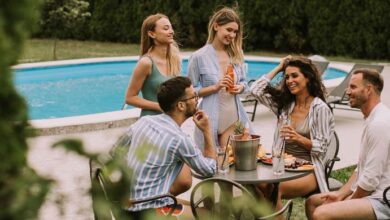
(355, 28)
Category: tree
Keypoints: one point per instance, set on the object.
(64, 16)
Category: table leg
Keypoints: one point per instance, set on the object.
(274, 194)
(225, 201)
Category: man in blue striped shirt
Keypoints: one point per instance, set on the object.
(160, 154)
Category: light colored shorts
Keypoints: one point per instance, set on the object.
(382, 211)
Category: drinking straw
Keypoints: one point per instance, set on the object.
(224, 156)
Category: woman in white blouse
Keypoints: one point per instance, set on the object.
(300, 95)
(207, 71)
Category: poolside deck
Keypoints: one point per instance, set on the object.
(71, 171)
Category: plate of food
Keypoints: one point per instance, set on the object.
(299, 166)
(267, 158)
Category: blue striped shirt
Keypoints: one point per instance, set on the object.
(158, 149)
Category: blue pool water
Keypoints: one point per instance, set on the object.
(70, 90)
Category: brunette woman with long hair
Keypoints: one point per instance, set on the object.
(300, 96)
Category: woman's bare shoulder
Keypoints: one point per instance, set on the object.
(145, 61)
(143, 67)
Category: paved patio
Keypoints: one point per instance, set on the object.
(72, 171)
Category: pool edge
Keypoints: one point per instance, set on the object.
(116, 119)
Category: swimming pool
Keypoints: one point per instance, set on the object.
(65, 90)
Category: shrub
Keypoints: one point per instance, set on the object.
(355, 28)
(22, 191)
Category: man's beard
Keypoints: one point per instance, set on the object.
(190, 112)
(357, 102)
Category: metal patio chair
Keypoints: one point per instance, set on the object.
(218, 198)
(98, 192)
(385, 196)
(331, 158)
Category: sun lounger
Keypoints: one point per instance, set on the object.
(321, 66)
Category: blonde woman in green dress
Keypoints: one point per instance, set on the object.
(159, 62)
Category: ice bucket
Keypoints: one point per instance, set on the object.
(245, 151)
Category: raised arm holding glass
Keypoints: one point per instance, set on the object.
(299, 96)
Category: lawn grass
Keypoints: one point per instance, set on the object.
(37, 50)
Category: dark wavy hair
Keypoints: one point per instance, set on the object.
(281, 94)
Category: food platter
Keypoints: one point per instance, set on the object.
(266, 160)
(302, 168)
(298, 165)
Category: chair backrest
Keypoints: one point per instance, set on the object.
(213, 199)
(321, 66)
(339, 91)
(386, 196)
(251, 81)
(219, 198)
(113, 208)
(331, 155)
(98, 192)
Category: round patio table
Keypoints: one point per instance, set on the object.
(263, 174)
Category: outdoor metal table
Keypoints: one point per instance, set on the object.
(263, 174)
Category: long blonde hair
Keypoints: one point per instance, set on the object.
(222, 17)
(147, 43)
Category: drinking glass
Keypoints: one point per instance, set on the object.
(222, 160)
(284, 120)
(278, 161)
(278, 149)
